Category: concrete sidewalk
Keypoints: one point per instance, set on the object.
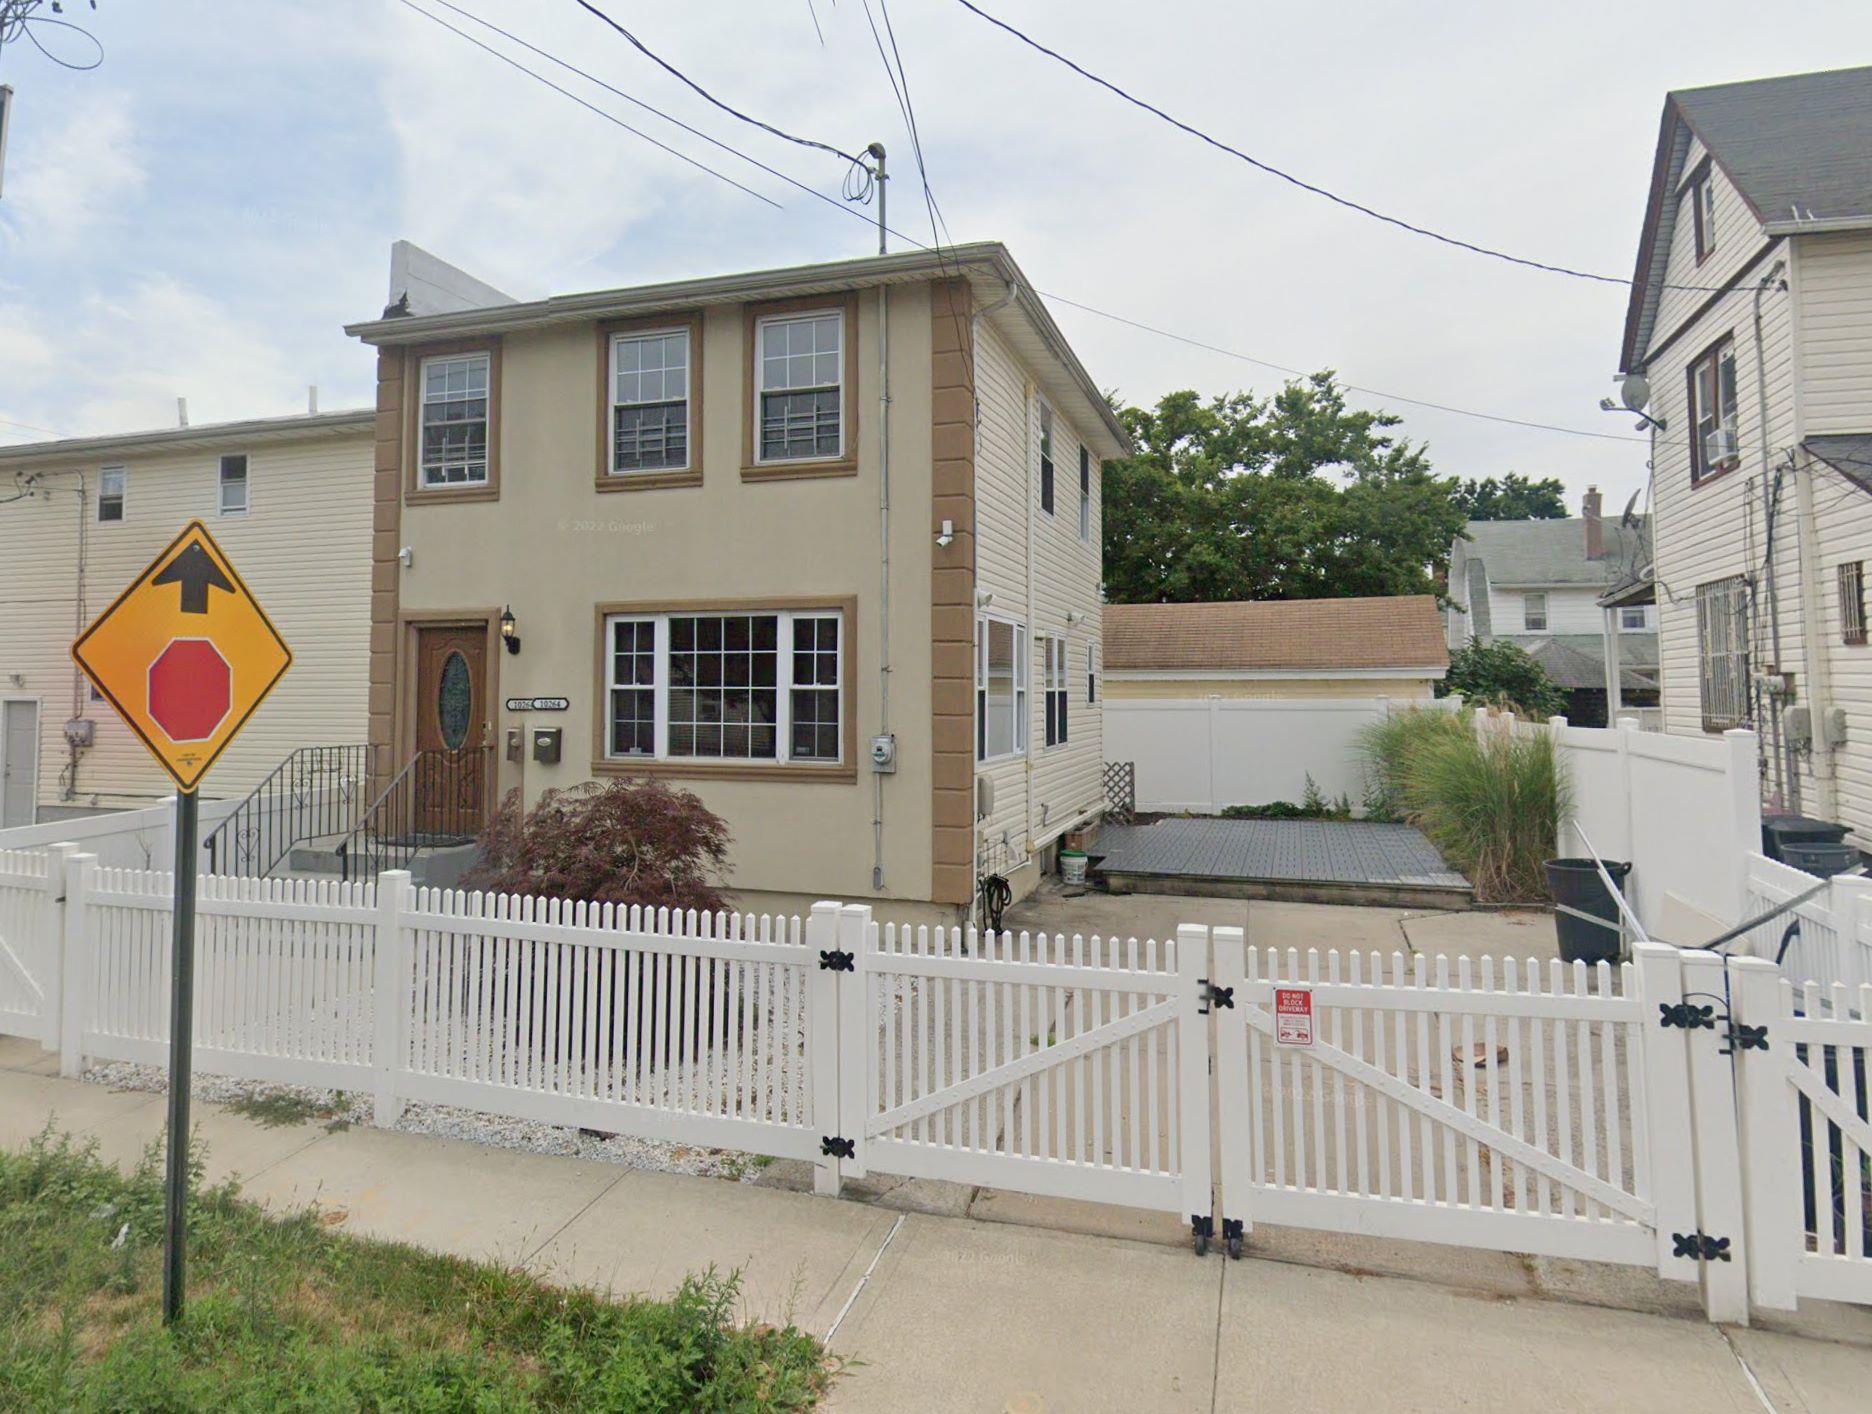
(945, 1313)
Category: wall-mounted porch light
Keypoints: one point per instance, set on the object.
(507, 627)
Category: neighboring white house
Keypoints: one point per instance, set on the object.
(1751, 324)
(288, 498)
(1536, 584)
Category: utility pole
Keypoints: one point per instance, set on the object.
(876, 150)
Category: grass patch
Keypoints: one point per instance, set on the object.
(285, 1314)
(1489, 801)
(278, 1108)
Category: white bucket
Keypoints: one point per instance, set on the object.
(1072, 865)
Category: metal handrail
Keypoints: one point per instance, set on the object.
(440, 797)
(316, 790)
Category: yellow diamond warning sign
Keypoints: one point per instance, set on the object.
(185, 655)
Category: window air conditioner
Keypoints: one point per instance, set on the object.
(1719, 445)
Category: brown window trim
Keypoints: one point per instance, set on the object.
(1703, 240)
(845, 772)
(414, 492)
(1701, 475)
(604, 478)
(844, 465)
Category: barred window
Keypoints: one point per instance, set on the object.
(800, 375)
(650, 401)
(1852, 602)
(1722, 652)
(454, 432)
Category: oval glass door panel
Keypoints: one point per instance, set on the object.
(454, 701)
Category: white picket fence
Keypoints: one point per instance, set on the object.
(1832, 941)
(1623, 1114)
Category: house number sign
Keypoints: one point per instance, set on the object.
(538, 704)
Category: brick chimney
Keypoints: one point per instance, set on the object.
(1595, 531)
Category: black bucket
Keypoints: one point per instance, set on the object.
(1576, 884)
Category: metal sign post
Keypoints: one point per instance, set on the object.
(185, 656)
(181, 1043)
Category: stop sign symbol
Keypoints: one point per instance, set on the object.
(190, 689)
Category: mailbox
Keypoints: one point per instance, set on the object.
(546, 745)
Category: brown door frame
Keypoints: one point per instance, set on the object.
(408, 622)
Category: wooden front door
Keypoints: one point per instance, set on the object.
(449, 783)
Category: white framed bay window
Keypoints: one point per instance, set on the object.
(1000, 688)
(756, 686)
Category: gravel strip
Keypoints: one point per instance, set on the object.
(449, 1121)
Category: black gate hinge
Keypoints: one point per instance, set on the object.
(835, 1146)
(1688, 1015)
(1743, 1037)
(832, 960)
(1700, 1246)
(1202, 1225)
(1213, 996)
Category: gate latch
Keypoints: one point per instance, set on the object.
(1700, 1247)
(1212, 996)
(835, 1146)
(832, 960)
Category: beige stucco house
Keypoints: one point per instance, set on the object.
(1284, 648)
(820, 544)
(288, 498)
(1750, 330)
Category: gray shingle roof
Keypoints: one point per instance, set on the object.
(1576, 660)
(1800, 145)
(1553, 551)
(1850, 454)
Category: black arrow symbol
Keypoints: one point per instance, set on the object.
(197, 574)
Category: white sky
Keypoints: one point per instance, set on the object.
(199, 215)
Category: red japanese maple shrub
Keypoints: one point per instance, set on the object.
(623, 841)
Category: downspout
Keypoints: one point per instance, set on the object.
(1030, 472)
(884, 580)
(1819, 685)
(975, 319)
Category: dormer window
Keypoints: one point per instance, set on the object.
(1703, 211)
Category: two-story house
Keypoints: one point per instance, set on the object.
(1537, 583)
(289, 498)
(1748, 342)
(820, 544)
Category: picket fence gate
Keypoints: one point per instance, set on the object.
(1697, 1116)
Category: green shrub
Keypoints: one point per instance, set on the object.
(1313, 806)
(1488, 801)
(1502, 674)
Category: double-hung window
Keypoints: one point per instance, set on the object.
(650, 401)
(1722, 652)
(1053, 664)
(726, 686)
(112, 484)
(799, 371)
(1092, 673)
(1534, 612)
(1085, 494)
(1046, 458)
(1703, 212)
(453, 434)
(1000, 689)
(233, 484)
(1713, 444)
(1637, 616)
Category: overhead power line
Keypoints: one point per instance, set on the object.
(514, 63)
(1315, 189)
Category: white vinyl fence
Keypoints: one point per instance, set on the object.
(1828, 937)
(120, 839)
(1202, 755)
(1630, 1114)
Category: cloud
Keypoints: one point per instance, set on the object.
(74, 174)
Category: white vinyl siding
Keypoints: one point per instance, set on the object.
(1835, 293)
(304, 550)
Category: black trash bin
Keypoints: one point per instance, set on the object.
(1576, 884)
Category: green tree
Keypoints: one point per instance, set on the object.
(1295, 496)
(1514, 497)
(1502, 673)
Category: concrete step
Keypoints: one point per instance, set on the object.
(440, 865)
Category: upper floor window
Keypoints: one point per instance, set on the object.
(1722, 652)
(1713, 444)
(1703, 211)
(1053, 663)
(1046, 459)
(1085, 494)
(112, 481)
(1092, 673)
(233, 484)
(800, 386)
(650, 401)
(1534, 613)
(726, 686)
(453, 446)
(1000, 688)
(1635, 616)
(1852, 602)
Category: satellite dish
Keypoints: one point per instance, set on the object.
(1630, 519)
(1635, 390)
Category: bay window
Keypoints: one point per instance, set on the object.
(760, 686)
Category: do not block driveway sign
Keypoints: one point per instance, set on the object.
(185, 655)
